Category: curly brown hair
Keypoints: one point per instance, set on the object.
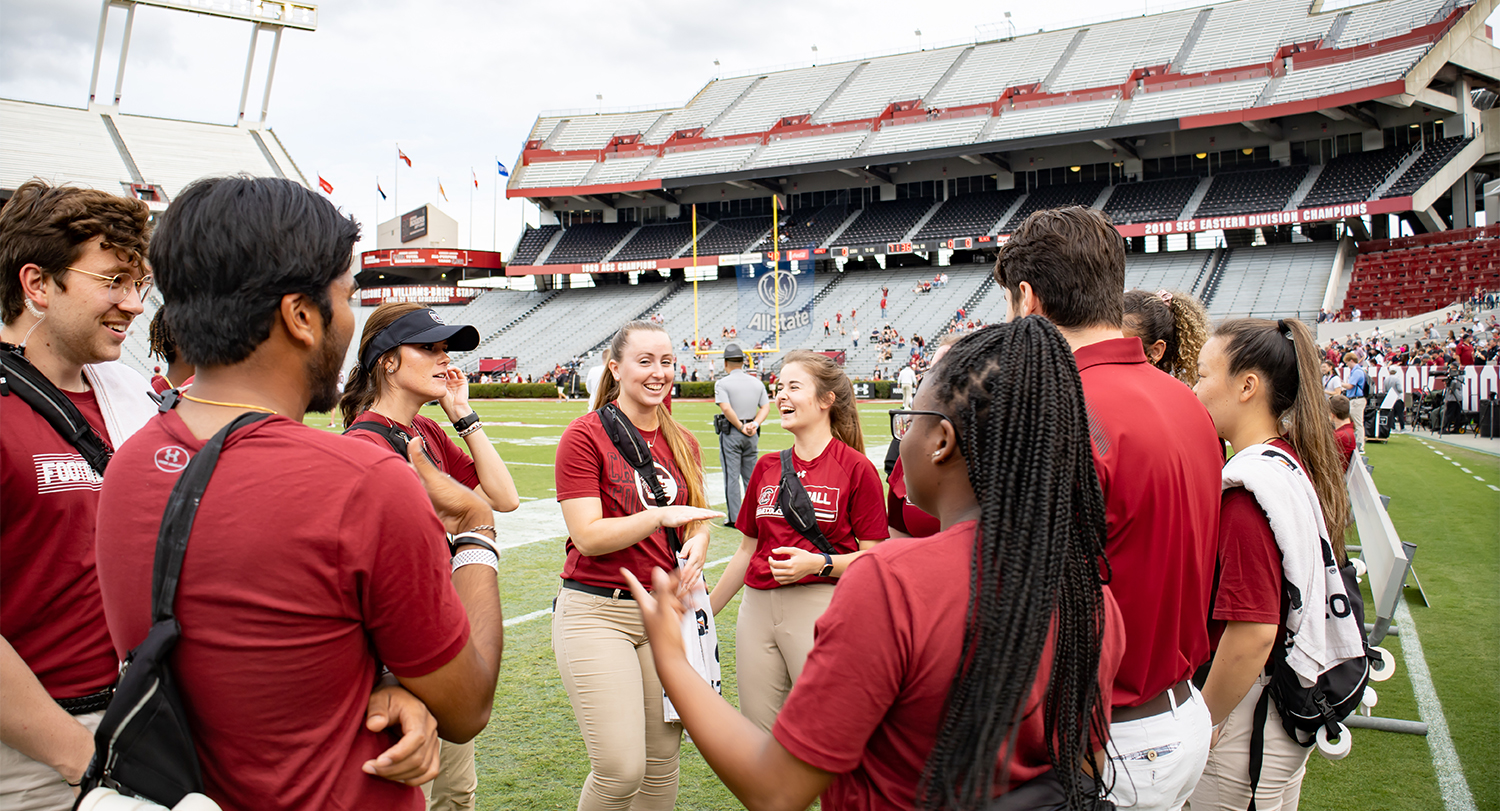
(46, 226)
(1175, 318)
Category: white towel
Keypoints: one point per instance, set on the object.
(701, 640)
(1287, 497)
(123, 397)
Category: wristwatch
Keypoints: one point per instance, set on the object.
(464, 422)
(827, 570)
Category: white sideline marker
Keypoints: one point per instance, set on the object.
(1496, 489)
(1450, 772)
(548, 610)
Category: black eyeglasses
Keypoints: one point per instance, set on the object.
(903, 418)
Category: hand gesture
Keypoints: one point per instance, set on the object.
(414, 759)
(661, 612)
(690, 566)
(679, 515)
(458, 507)
(455, 401)
(797, 564)
(749, 428)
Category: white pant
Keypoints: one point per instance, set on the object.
(1226, 778)
(1156, 760)
(30, 785)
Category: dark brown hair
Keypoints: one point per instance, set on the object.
(1338, 405)
(46, 226)
(1074, 260)
(363, 387)
(1175, 318)
(1286, 356)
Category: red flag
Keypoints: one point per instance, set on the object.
(402, 156)
(476, 177)
(327, 187)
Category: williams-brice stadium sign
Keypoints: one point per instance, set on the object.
(420, 293)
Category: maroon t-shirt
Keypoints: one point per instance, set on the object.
(874, 691)
(1158, 458)
(846, 495)
(159, 383)
(1344, 435)
(50, 610)
(588, 466)
(1248, 584)
(313, 559)
(441, 449)
(902, 514)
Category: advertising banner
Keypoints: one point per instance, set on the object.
(1479, 382)
(422, 293)
(761, 286)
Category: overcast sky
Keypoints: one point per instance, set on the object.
(459, 82)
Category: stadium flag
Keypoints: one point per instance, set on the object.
(504, 172)
(402, 156)
(325, 185)
(476, 177)
(757, 286)
(377, 188)
(440, 190)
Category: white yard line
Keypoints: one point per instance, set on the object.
(1450, 772)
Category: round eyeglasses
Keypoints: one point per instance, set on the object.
(119, 282)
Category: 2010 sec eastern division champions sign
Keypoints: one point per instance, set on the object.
(759, 285)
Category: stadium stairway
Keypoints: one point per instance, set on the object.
(1303, 188)
(1197, 198)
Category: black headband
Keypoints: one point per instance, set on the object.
(418, 327)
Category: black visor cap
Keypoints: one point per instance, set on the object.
(419, 327)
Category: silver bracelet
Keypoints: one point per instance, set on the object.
(472, 556)
(471, 429)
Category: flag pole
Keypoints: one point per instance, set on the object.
(396, 187)
(776, 262)
(471, 207)
(695, 278)
(495, 213)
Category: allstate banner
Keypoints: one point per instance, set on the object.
(758, 291)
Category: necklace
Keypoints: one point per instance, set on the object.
(228, 405)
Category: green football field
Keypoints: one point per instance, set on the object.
(531, 755)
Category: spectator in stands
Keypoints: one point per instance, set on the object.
(294, 603)
(1158, 459)
(790, 578)
(1343, 427)
(916, 685)
(738, 395)
(162, 345)
(597, 636)
(1257, 376)
(882, 306)
(72, 276)
(1356, 388)
(1171, 326)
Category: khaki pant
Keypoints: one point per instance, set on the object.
(605, 663)
(1357, 413)
(30, 785)
(773, 636)
(454, 787)
(1225, 783)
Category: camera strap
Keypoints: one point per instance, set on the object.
(636, 453)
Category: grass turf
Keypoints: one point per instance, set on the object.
(531, 755)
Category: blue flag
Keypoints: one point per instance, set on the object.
(504, 172)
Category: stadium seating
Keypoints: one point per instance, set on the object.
(1109, 52)
(807, 229)
(924, 135)
(1433, 157)
(885, 222)
(566, 325)
(1353, 177)
(594, 131)
(1070, 194)
(655, 241)
(1266, 189)
(702, 161)
(1396, 278)
(994, 66)
(710, 103)
(588, 243)
(1275, 281)
(1026, 123)
(789, 92)
(618, 170)
(1238, 34)
(552, 173)
(1152, 201)
(880, 82)
(968, 215)
(1165, 270)
(57, 144)
(533, 240)
(1165, 105)
(731, 235)
(1376, 21)
(1328, 79)
(789, 151)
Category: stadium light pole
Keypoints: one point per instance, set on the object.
(919, 39)
(815, 55)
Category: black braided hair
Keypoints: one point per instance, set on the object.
(1015, 397)
(161, 342)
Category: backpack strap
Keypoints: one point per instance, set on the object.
(18, 376)
(797, 508)
(395, 436)
(1258, 741)
(177, 520)
(634, 450)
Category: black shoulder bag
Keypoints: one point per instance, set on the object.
(144, 747)
(797, 508)
(19, 377)
(636, 453)
(392, 434)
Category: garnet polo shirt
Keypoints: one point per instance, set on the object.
(1158, 458)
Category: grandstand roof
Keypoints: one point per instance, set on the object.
(1243, 60)
(104, 149)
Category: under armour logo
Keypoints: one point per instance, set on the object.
(801, 474)
(172, 459)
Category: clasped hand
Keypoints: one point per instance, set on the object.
(797, 564)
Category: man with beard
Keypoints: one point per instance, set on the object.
(290, 606)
